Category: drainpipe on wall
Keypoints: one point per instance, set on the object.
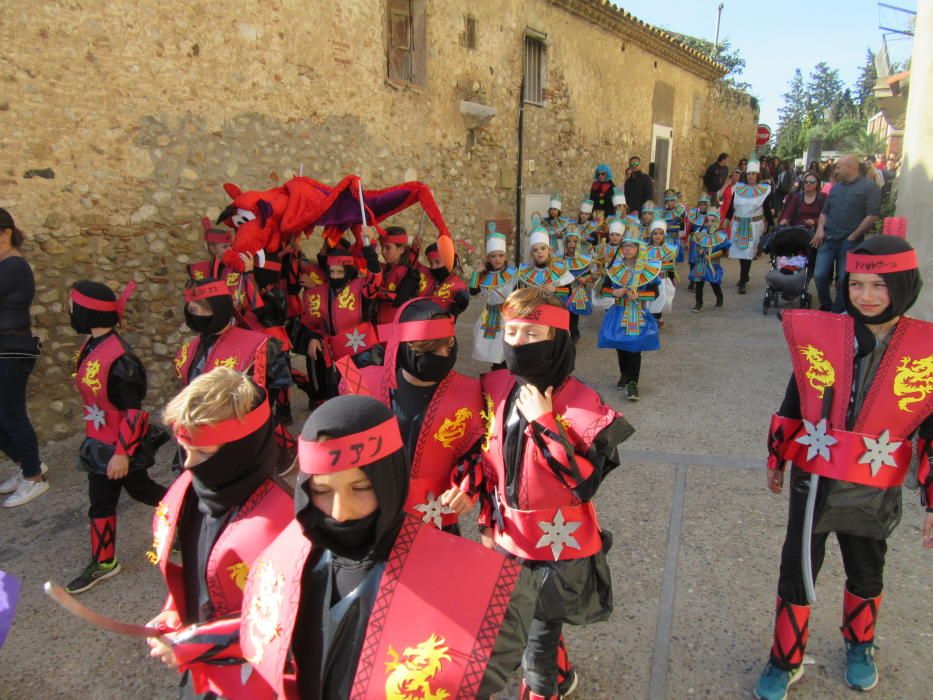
(518, 173)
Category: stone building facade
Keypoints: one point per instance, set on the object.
(140, 111)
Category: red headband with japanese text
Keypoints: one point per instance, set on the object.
(340, 260)
(230, 430)
(396, 238)
(118, 305)
(880, 264)
(206, 291)
(350, 451)
(546, 315)
(432, 255)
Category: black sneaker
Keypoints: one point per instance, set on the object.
(569, 686)
(96, 571)
(742, 289)
(697, 309)
(719, 303)
(621, 383)
(632, 390)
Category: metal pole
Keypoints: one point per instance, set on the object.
(718, 20)
(518, 171)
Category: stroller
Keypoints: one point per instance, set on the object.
(792, 262)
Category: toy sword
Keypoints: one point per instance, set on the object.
(68, 601)
(805, 549)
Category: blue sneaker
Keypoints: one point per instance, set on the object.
(775, 681)
(861, 671)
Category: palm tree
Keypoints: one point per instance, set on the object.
(866, 143)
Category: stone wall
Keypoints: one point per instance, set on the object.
(142, 110)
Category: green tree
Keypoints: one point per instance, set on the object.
(724, 54)
(793, 119)
(864, 87)
(824, 91)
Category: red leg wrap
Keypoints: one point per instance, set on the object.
(564, 667)
(526, 693)
(859, 616)
(103, 538)
(790, 633)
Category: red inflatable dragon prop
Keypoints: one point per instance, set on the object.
(271, 219)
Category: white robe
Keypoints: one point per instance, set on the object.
(747, 205)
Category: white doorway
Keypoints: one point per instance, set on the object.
(662, 146)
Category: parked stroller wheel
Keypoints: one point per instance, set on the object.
(805, 301)
(764, 305)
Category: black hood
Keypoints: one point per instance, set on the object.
(84, 319)
(903, 287)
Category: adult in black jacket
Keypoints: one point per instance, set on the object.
(638, 188)
(715, 176)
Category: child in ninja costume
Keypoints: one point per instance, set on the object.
(554, 223)
(447, 289)
(335, 319)
(222, 512)
(846, 425)
(119, 445)
(547, 270)
(708, 243)
(631, 282)
(438, 411)
(579, 263)
(496, 281)
(403, 277)
(354, 590)
(209, 312)
(550, 442)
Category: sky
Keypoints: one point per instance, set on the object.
(776, 38)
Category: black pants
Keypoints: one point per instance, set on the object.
(104, 493)
(698, 292)
(745, 267)
(862, 558)
(539, 662)
(17, 436)
(629, 365)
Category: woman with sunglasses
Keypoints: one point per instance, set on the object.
(804, 206)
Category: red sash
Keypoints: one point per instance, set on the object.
(101, 418)
(822, 350)
(551, 523)
(422, 612)
(257, 523)
(236, 348)
(351, 341)
(452, 424)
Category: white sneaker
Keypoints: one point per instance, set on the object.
(9, 485)
(25, 492)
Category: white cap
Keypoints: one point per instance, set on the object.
(616, 227)
(555, 203)
(754, 166)
(658, 224)
(586, 206)
(539, 235)
(495, 242)
(618, 198)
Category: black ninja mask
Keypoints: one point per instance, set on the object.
(221, 313)
(439, 274)
(427, 366)
(542, 364)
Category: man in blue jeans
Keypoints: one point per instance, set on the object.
(852, 208)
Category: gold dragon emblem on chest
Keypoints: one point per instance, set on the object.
(820, 373)
(411, 674)
(90, 378)
(233, 279)
(452, 429)
(160, 529)
(230, 363)
(489, 421)
(346, 300)
(314, 305)
(444, 290)
(264, 611)
(182, 358)
(238, 574)
(913, 381)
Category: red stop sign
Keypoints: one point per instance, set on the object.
(763, 136)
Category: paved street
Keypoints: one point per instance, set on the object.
(697, 539)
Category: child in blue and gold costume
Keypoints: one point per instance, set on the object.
(707, 245)
(579, 263)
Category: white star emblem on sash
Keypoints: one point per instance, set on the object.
(879, 452)
(432, 510)
(558, 534)
(96, 416)
(816, 440)
(355, 340)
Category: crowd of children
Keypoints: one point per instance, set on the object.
(312, 594)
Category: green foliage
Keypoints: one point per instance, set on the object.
(724, 54)
(823, 107)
